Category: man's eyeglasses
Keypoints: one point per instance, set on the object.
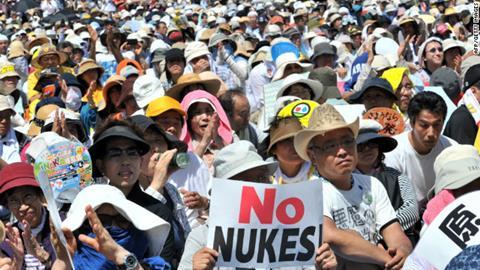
(331, 147)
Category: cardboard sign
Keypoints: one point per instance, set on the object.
(265, 226)
(270, 92)
(391, 120)
(68, 167)
(455, 228)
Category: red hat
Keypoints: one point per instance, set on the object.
(17, 174)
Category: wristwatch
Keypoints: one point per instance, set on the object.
(130, 262)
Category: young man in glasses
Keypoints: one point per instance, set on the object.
(356, 208)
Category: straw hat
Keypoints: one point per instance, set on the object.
(324, 118)
(16, 49)
(39, 41)
(87, 65)
(48, 49)
(212, 86)
(284, 129)
(40, 117)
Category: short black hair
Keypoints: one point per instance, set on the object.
(227, 100)
(427, 100)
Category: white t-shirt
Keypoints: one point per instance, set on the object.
(365, 208)
(304, 174)
(418, 168)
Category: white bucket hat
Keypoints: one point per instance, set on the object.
(315, 86)
(146, 89)
(239, 157)
(195, 49)
(455, 167)
(285, 59)
(7, 103)
(96, 195)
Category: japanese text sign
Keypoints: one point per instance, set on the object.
(455, 228)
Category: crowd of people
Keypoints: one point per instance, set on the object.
(167, 95)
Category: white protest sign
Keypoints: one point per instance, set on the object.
(270, 92)
(351, 112)
(450, 105)
(263, 225)
(455, 228)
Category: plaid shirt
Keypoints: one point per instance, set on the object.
(227, 76)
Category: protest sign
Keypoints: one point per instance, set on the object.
(270, 92)
(455, 228)
(391, 120)
(68, 167)
(265, 226)
(350, 112)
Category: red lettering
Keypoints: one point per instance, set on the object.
(282, 211)
(263, 210)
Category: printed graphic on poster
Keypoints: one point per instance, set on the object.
(455, 228)
(265, 226)
(68, 167)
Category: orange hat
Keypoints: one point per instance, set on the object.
(163, 104)
(126, 62)
(276, 19)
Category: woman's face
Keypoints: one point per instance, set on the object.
(404, 93)
(90, 76)
(171, 122)
(25, 203)
(285, 152)
(299, 90)
(176, 67)
(157, 145)
(200, 117)
(114, 93)
(367, 154)
(121, 163)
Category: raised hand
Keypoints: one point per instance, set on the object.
(31, 244)
(159, 163)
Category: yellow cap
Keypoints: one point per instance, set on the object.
(163, 104)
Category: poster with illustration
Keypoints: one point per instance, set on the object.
(68, 167)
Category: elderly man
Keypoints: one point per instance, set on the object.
(356, 207)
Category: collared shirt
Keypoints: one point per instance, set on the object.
(9, 148)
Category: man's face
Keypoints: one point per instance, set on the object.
(5, 122)
(162, 29)
(241, 113)
(49, 60)
(326, 60)
(3, 46)
(434, 53)
(25, 203)
(334, 154)
(375, 97)
(426, 131)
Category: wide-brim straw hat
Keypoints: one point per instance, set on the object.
(48, 49)
(324, 118)
(286, 128)
(212, 85)
(87, 65)
(284, 60)
(16, 49)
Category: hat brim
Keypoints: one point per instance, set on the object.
(386, 144)
(270, 165)
(156, 228)
(279, 139)
(279, 72)
(303, 137)
(316, 87)
(61, 55)
(33, 130)
(212, 86)
(357, 97)
(118, 132)
(19, 182)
